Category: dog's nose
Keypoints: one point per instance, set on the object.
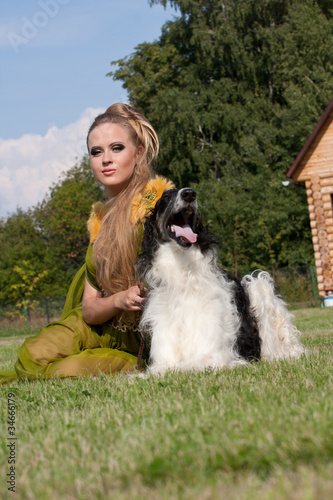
(188, 194)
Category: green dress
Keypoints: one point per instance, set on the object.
(70, 347)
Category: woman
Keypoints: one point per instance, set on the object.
(98, 329)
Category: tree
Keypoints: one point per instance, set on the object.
(61, 219)
(19, 241)
(23, 291)
(50, 238)
(234, 88)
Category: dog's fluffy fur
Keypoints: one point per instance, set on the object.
(197, 316)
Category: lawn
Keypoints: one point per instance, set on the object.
(259, 432)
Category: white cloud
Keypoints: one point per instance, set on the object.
(30, 164)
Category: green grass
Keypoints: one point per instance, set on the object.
(260, 432)
(12, 331)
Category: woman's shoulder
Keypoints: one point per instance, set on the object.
(144, 202)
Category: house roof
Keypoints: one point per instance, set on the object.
(310, 140)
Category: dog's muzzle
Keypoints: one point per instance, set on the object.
(180, 225)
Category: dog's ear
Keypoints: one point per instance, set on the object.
(148, 246)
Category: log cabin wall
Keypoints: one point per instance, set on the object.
(320, 195)
(314, 166)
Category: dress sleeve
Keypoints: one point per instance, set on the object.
(75, 293)
(91, 268)
(76, 289)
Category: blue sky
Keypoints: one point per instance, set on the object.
(54, 58)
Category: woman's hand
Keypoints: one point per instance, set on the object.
(130, 299)
(97, 309)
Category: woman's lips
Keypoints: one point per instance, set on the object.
(108, 171)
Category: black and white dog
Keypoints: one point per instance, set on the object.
(197, 316)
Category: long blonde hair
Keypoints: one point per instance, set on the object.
(115, 247)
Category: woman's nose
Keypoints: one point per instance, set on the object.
(107, 156)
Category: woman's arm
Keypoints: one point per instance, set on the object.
(97, 309)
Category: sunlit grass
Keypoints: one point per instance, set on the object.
(260, 432)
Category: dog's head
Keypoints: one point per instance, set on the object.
(174, 219)
(175, 216)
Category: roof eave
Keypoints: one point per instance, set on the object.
(310, 140)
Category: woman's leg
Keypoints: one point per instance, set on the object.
(92, 362)
(69, 348)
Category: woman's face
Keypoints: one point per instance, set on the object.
(113, 156)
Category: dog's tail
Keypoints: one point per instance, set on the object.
(280, 337)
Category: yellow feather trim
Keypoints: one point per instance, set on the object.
(95, 219)
(142, 205)
(144, 202)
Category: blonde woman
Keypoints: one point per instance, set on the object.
(98, 329)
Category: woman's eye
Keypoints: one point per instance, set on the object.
(95, 152)
(118, 147)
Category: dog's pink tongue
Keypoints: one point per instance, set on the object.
(186, 232)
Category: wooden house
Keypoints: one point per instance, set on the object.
(314, 167)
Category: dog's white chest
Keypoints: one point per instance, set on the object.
(189, 314)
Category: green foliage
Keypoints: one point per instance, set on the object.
(51, 238)
(234, 88)
(296, 286)
(24, 289)
(19, 241)
(241, 213)
(62, 222)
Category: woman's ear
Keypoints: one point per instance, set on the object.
(138, 154)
